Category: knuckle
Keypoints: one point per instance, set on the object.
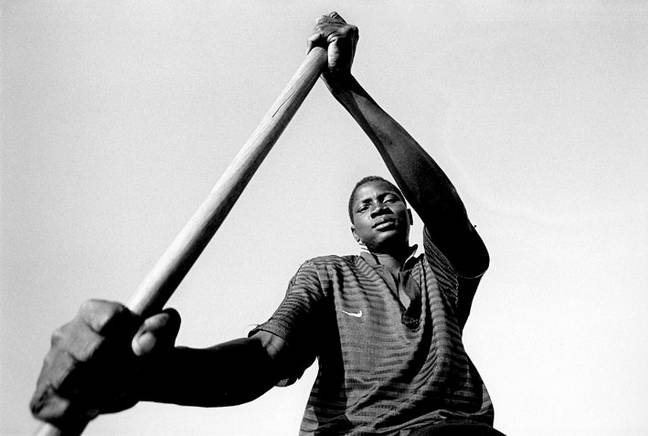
(44, 405)
(88, 307)
(48, 361)
(348, 29)
(156, 322)
(64, 375)
(99, 314)
(89, 350)
(112, 308)
(167, 323)
(156, 325)
(35, 407)
(36, 401)
(101, 321)
(59, 368)
(57, 336)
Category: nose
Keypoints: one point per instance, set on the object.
(379, 209)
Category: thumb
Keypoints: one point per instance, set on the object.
(157, 333)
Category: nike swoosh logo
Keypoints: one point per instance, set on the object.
(357, 314)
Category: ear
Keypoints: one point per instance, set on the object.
(355, 235)
(410, 217)
(357, 238)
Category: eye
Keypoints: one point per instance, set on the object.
(391, 199)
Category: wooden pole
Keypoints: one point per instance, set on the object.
(157, 287)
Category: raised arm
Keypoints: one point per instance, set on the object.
(422, 181)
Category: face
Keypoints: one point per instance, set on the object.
(381, 219)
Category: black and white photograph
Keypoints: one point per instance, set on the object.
(357, 218)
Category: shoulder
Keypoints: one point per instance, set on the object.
(466, 259)
(332, 260)
(329, 269)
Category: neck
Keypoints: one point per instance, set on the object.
(393, 256)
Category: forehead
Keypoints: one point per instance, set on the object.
(373, 189)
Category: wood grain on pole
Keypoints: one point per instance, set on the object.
(156, 288)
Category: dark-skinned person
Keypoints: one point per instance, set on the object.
(385, 326)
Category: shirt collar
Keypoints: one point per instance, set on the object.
(373, 260)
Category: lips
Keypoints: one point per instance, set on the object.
(384, 224)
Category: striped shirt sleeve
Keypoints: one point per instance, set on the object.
(460, 289)
(446, 274)
(296, 319)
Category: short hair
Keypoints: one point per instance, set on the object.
(364, 181)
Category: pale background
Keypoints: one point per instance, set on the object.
(118, 117)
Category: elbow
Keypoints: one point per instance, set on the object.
(475, 267)
(476, 264)
(482, 263)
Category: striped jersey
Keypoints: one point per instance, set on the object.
(390, 352)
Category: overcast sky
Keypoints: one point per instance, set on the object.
(118, 117)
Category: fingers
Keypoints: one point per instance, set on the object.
(340, 39)
(49, 406)
(330, 27)
(330, 31)
(157, 333)
(86, 356)
(332, 20)
(333, 17)
(91, 366)
(78, 340)
(57, 388)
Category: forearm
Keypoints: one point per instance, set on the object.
(231, 373)
(423, 182)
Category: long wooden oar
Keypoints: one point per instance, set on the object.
(168, 272)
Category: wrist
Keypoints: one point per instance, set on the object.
(155, 375)
(338, 82)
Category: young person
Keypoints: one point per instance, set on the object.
(384, 325)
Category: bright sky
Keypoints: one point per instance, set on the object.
(118, 117)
